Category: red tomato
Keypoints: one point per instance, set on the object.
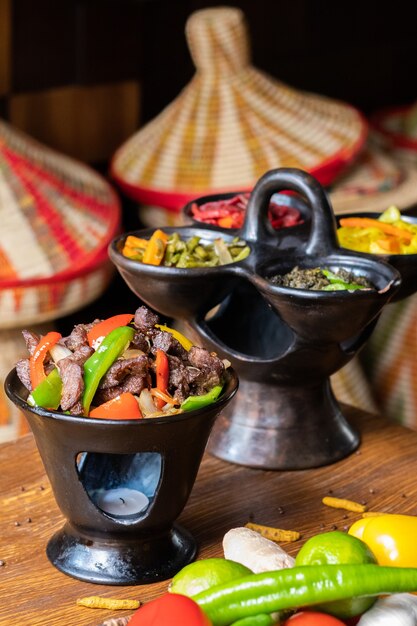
(312, 618)
(171, 609)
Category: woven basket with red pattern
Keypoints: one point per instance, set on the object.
(231, 124)
(57, 217)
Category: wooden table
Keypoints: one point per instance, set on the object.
(382, 473)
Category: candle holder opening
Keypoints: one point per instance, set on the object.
(122, 486)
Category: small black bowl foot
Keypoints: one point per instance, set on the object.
(111, 561)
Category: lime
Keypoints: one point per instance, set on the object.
(337, 548)
(206, 573)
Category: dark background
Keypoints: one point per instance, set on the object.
(360, 52)
(357, 51)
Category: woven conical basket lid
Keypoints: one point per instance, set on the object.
(396, 129)
(57, 217)
(376, 180)
(231, 124)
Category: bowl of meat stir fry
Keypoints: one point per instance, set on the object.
(121, 410)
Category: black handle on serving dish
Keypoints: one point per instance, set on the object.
(256, 227)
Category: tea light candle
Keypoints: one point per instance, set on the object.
(122, 501)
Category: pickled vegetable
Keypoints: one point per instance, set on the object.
(193, 252)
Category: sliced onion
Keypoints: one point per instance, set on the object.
(146, 403)
(58, 352)
(170, 411)
(132, 353)
(163, 396)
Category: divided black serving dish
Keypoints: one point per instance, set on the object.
(284, 343)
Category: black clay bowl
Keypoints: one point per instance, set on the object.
(406, 264)
(329, 316)
(292, 201)
(176, 292)
(96, 545)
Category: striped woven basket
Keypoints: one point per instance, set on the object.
(383, 376)
(231, 124)
(396, 129)
(376, 180)
(57, 218)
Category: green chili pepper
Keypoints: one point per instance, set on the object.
(256, 620)
(198, 402)
(48, 393)
(306, 585)
(112, 346)
(336, 548)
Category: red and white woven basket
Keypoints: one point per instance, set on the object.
(57, 217)
(231, 124)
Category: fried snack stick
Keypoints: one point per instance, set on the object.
(347, 505)
(274, 534)
(95, 602)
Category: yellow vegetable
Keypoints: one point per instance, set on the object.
(392, 538)
(389, 234)
(182, 339)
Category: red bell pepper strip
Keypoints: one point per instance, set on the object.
(171, 609)
(104, 327)
(123, 407)
(162, 376)
(36, 361)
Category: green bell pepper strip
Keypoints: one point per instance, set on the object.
(301, 586)
(48, 393)
(198, 402)
(338, 284)
(112, 346)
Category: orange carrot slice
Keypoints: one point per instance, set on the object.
(367, 222)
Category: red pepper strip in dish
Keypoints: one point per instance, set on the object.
(171, 609)
(105, 327)
(123, 407)
(162, 376)
(36, 361)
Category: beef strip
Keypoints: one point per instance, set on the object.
(77, 408)
(161, 340)
(145, 319)
(104, 395)
(81, 354)
(78, 336)
(210, 366)
(181, 378)
(134, 384)
(23, 372)
(122, 368)
(31, 340)
(71, 374)
(71, 371)
(140, 342)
